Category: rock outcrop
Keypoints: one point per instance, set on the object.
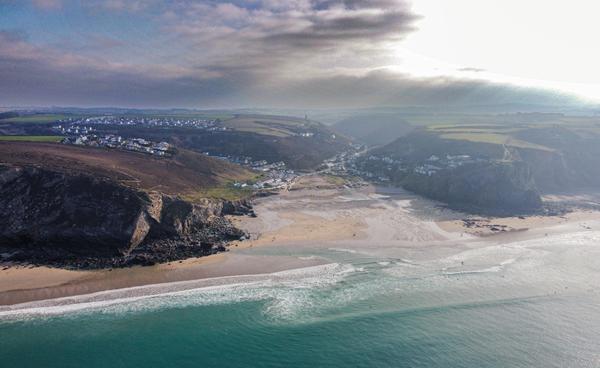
(498, 188)
(78, 220)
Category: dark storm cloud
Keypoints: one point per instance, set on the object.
(391, 89)
(360, 27)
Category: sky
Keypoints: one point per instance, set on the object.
(298, 53)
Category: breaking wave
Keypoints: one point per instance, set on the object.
(283, 291)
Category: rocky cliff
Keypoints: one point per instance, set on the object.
(499, 188)
(80, 220)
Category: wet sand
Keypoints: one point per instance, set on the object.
(330, 216)
(490, 226)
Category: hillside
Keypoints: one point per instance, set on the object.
(491, 168)
(301, 144)
(185, 173)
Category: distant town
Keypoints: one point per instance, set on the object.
(117, 142)
(359, 162)
(84, 132)
(148, 122)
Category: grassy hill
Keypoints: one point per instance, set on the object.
(186, 173)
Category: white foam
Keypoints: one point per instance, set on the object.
(280, 287)
(312, 291)
(468, 272)
(308, 258)
(342, 250)
(508, 261)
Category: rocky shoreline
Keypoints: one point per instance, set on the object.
(203, 242)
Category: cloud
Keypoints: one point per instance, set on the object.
(471, 70)
(47, 4)
(383, 88)
(122, 5)
(262, 53)
(269, 35)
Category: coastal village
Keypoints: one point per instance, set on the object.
(275, 175)
(380, 168)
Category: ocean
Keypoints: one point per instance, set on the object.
(530, 303)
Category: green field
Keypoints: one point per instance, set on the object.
(31, 138)
(494, 138)
(475, 128)
(38, 118)
(227, 192)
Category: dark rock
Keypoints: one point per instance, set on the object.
(79, 221)
(498, 188)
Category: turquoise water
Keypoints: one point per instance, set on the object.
(527, 304)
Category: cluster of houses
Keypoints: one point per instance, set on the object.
(435, 163)
(116, 141)
(382, 168)
(273, 179)
(344, 161)
(206, 124)
(73, 129)
(275, 174)
(259, 165)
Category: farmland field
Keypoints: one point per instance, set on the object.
(494, 138)
(274, 126)
(488, 133)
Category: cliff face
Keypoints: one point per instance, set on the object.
(78, 220)
(46, 208)
(552, 173)
(494, 188)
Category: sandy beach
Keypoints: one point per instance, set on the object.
(313, 213)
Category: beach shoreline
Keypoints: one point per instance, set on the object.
(332, 217)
